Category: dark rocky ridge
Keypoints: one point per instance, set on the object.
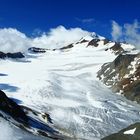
(11, 55)
(123, 75)
(93, 42)
(19, 116)
(116, 48)
(83, 41)
(106, 41)
(67, 47)
(2, 55)
(9, 107)
(37, 50)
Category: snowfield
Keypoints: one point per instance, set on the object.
(130, 132)
(64, 84)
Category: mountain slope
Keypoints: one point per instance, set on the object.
(123, 75)
(63, 84)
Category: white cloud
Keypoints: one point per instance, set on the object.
(116, 31)
(59, 37)
(129, 32)
(12, 40)
(132, 33)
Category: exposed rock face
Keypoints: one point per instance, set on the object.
(130, 133)
(116, 48)
(106, 41)
(83, 41)
(2, 55)
(99, 42)
(37, 50)
(11, 55)
(19, 116)
(93, 42)
(123, 75)
(15, 55)
(67, 47)
(11, 108)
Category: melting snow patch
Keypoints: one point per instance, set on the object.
(130, 132)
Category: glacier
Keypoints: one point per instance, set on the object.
(64, 84)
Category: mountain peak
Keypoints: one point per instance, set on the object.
(91, 36)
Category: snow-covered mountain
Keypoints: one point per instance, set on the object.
(60, 94)
(123, 75)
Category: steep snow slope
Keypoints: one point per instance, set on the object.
(64, 84)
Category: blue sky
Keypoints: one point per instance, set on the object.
(92, 15)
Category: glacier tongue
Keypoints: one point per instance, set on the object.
(64, 84)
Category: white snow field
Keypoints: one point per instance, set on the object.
(130, 132)
(64, 84)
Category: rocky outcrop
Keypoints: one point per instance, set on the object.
(116, 48)
(15, 55)
(93, 42)
(2, 55)
(9, 107)
(106, 41)
(99, 42)
(37, 50)
(130, 133)
(123, 75)
(83, 41)
(27, 119)
(11, 55)
(67, 47)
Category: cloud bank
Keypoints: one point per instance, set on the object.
(129, 32)
(59, 37)
(12, 40)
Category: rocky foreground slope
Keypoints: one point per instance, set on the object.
(25, 118)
